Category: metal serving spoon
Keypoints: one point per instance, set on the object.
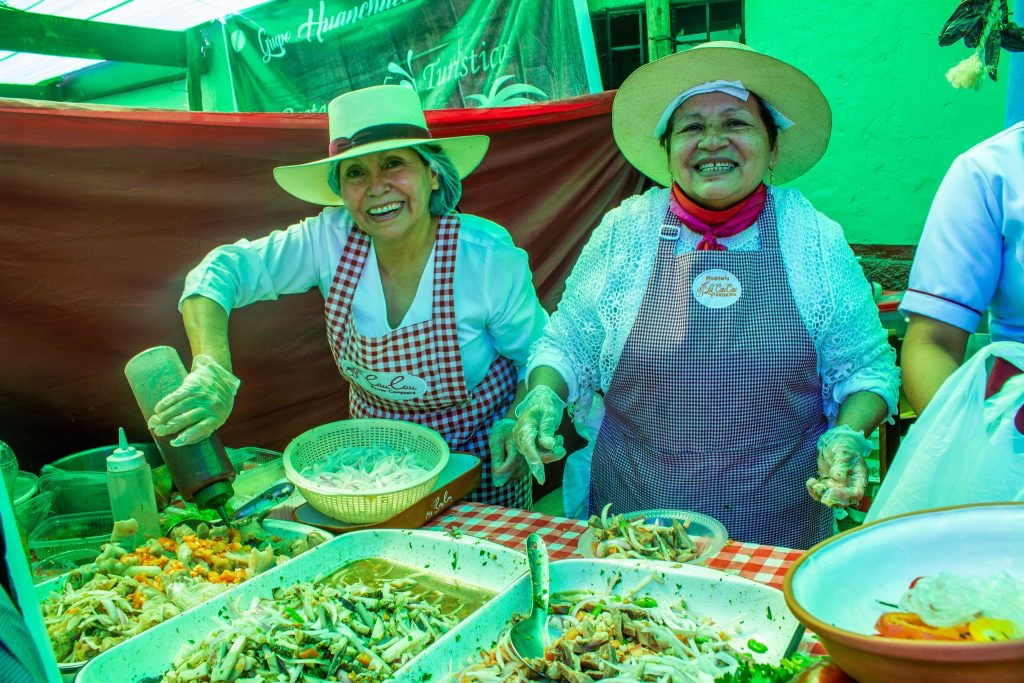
(530, 636)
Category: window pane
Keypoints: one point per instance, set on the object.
(625, 28)
(689, 21)
(624, 62)
(725, 16)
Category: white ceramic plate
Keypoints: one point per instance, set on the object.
(707, 532)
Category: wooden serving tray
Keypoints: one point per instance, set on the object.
(458, 478)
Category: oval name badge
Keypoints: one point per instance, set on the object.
(391, 385)
(716, 288)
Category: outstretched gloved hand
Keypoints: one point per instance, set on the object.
(506, 460)
(842, 471)
(537, 418)
(199, 406)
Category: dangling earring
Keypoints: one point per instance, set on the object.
(771, 175)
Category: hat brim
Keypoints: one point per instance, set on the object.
(643, 97)
(309, 181)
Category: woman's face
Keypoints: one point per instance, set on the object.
(388, 193)
(719, 150)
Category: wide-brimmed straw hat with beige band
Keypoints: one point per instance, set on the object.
(644, 96)
(371, 120)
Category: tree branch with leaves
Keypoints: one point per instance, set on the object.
(984, 25)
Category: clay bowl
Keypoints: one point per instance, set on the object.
(834, 589)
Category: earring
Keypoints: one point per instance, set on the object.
(771, 175)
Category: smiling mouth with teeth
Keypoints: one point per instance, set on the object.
(715, 168)
(385, 210)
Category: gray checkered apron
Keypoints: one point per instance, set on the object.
(428, 350)
(717, 410)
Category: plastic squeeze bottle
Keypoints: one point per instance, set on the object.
(130, 484)
(202, 472)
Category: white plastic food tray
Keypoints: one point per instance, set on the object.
(282, 528)
(757, 611)
(464, 559)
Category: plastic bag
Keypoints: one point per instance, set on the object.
(963, 448)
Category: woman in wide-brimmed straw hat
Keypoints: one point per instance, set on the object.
(430, 313)
(725, 321)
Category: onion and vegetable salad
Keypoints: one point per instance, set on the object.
(621, 537)
(956, 608)
(328, 631)
(128, 590)
(367, 469)
(630, 638)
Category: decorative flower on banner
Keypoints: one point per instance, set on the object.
(509, 95)
(984, 25)
(405, 75)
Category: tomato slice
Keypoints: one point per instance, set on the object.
(909, 626)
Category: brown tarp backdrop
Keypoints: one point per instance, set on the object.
(103, 212)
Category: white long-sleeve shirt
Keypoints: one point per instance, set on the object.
(496, 307)
(585, 336)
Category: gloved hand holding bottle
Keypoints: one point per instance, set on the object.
(199, 406)
(842, 470)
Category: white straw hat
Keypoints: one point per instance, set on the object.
(644, 96)
(373, 120)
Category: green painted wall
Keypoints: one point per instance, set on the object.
(897, 123)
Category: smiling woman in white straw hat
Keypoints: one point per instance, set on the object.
(430, 313)
(723, 320)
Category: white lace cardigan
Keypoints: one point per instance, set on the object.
(585, 336)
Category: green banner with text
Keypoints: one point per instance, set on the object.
(296, 55)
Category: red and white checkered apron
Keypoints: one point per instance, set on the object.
(717, 410)
(430, 351)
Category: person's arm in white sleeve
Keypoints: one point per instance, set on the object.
(575, 335)
(230, 276)
(564, 362)
(854, 354)
(516, 317)
(283, 262)
(954, 277)
(859, 366)
(516, 322)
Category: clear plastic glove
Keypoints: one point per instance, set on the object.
(199, 406)
(506, 460)
(538, 416)
(842, 471)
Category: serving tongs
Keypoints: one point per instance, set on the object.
(530, 636)
(256, 508)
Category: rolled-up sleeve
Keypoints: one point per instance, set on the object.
(517, 319)
(959, 259)
(283, 262)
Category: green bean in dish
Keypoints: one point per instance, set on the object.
(623, 536)
(612, 637)
(340, 629)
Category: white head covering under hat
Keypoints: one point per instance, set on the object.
(372, 120)
(645, 103)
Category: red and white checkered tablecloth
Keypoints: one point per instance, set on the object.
(510, 528)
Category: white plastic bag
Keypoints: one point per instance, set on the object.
(962, 449)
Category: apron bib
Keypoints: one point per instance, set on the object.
(415, 373)
(715, 405)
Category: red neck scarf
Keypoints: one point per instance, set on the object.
(715, 224)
